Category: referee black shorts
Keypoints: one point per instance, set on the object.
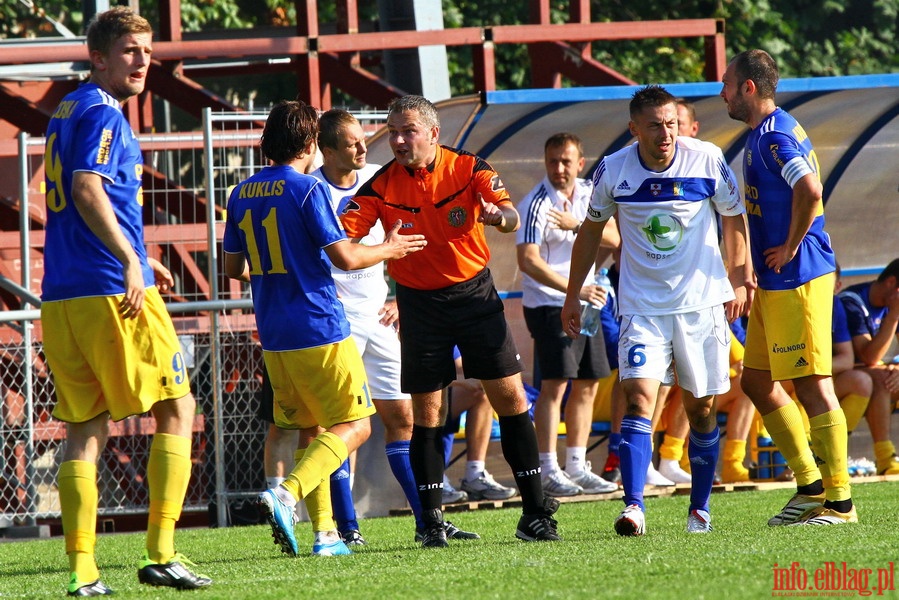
(469, 315)
(560, 357)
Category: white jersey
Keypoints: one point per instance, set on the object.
(555, 244)
(670, 259)
(362, 291)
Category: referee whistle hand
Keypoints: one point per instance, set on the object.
(490, 213)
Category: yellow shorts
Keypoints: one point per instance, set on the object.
(101, 362)
(321, 386)
(789, 331)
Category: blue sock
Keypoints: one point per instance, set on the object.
(614, 442)
(342, 499)
(703, 452)
(398, 459)
(448, 439)
(635, 451)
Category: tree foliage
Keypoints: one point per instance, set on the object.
(807, 37)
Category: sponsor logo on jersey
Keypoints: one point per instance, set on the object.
(103, 150)
(623, 186)
(749, 157)
(774, 148)
(678, 188)
(497, 184)
(664, 231)
(457, 216)
(801, 363)
(655, 189)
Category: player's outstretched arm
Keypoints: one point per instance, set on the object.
(348, 256)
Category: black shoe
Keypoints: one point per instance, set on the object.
(540, 527)
(434, 533)
(97, 588)
(172, 574)
(352, 537)
(454, 533)
(613, 475)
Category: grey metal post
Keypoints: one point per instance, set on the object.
(27, 327)
(214, 340)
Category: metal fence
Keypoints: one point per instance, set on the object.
(187, 179)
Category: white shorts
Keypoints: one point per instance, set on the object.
(380, 350)
(696, 345)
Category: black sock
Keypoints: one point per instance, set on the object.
(519, 442)
(426, 458)
(815, 488)
(842, 506)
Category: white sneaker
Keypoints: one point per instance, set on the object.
(631, 521)
(653, 477)
(451, 494)
(699, 521)
(485, 487)
(672, 470)
(557, 483)
(590, 482)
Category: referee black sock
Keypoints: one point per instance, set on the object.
(519, 442)
(426, 458)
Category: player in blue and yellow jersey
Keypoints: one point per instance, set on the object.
(789, 331)
(282, 236)
(109, 341)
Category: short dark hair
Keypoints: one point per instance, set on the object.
(560, 140)
(758, 66)
(426, 110)
(330, 124)
(689, 106)
(290, 127)
(891, 270)
(108, 26)
(650, 96)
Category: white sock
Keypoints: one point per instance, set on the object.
(273, 482)
(473, 469)
(285, 496)
(575, 459)
(548, 462)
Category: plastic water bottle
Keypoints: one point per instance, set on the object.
(590, 320)
(765, 446)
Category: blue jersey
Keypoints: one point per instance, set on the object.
(839, 325)
(777, 154)
(862, 317)
(280, 220)
(88, 132)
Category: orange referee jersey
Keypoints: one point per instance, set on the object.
(439, 201)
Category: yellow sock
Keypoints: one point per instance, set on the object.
(786, 428)
(78, 499)
(883, 454)
(732, 457)
(326, 452)
(168, 473)
(672, 448)
(830, 442)
(854, 407)
(318, 501)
